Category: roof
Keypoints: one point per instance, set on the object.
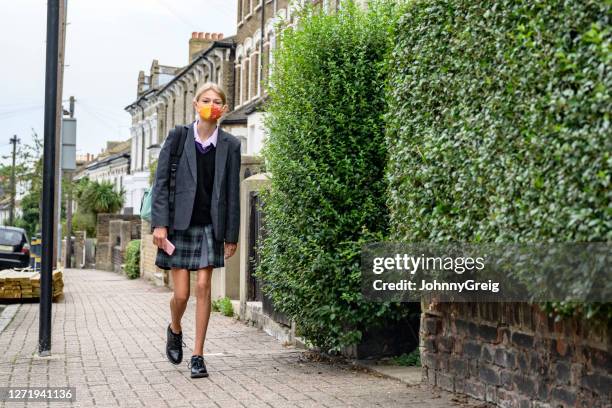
(108, 160)
(239, 116)
(224, 43)
(121, 147)
(117, 148)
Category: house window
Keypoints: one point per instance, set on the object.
(251, 136)
(173, 111)
(237, 74)
(271, 48)
(195, 89)
(246, 8)
(256, 73)
(243, 144)
(241, 69)
(142, 148)
(185, 106)
(247, 82)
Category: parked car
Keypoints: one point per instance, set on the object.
(14, 248)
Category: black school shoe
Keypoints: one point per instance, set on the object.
(174, 346)
(197, 366)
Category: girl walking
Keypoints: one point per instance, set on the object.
(203, 226)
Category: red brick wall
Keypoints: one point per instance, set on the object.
(148, 252)
(103, 245)
(514, 355)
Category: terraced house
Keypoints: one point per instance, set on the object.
(240, 64)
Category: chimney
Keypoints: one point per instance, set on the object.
(154, 74)
(200, 41)
(141, 84)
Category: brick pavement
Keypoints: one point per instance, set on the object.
(108, 341)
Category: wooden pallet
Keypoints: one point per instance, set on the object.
(26, 285)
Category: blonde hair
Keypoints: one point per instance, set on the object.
(208, 86)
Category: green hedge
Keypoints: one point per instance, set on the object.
(132, 259)
(499, 123)
(326, 154)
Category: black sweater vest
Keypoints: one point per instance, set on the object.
(206, 176)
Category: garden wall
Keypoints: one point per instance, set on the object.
(514, 355)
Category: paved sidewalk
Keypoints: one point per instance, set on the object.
(108, 341)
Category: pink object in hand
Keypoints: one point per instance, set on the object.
(168, 247)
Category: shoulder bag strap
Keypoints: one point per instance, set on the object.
(178, 142)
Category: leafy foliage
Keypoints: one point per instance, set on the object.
(28, 166)
(152, 171)
(132, 259)
(83, 221)
(98, 197)
(326, 154)
(30, 214)
(499, 124)
(412, 359)
(28, 174)
(223, 305)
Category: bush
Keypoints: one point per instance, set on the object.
(98, 197)
(412, 359)
(152, 171)
(499, 123)
(84, 222)
(326, 154)
(223, 305)
(30, 217)
(132, 259)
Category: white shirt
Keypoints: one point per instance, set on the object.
(211, 140)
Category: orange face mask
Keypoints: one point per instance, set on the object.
(210, 112)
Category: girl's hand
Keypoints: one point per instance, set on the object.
(159, 236)
(230, 249)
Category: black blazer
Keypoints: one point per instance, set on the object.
(225, 202)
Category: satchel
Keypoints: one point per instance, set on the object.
(176, 152)
(145, 205)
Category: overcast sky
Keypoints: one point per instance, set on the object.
(107, 43)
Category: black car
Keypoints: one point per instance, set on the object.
(14, 248)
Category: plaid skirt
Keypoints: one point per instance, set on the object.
(196, 248)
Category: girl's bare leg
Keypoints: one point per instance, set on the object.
(178, 302)
(203, 307)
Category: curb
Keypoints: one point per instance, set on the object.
(405, 375)
(410, 376)
(7, 316)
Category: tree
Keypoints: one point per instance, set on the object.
(28, 170)
(28, 166)
(29, 219)
(98, 197)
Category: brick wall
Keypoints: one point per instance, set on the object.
(514, 355)
(249, 22)
(103, 244)
(148, 252)
(118, 256)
